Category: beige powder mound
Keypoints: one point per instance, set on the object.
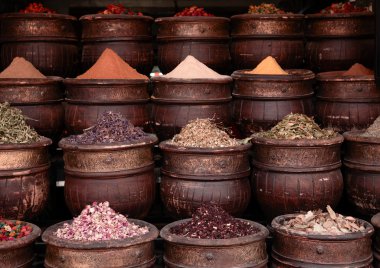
(21, 68)
(111, 66)
(268, 66)
(191, 68)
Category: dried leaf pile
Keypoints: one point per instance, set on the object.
(13, 128)
(322, 223)
(373, 130)
(111, 127)
(203, 133)
(297, 126)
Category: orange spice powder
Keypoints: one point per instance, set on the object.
(268, 66)
(358, 69)
(21, 68)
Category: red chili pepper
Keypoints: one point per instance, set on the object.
(343, 8)
(193, 11)
(37, 8)
(119, 9)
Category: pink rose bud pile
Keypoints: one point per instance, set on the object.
(99, 222)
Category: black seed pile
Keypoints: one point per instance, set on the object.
(111, 127)
(210, 221)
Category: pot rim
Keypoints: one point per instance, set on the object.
(299, 142)
(354, 136)
(285, 16)
(339, 15)
(166, 146)
(150, 139)
(191, 18)
(23, 241)
(31, 81)
(375, 220)
(37, 16)
(338, 77)
(106, 82)
(90, 17)
(369, 230)
(49, 238)
(43, 142)
(294, 75)
(224, 80)
(173, 238)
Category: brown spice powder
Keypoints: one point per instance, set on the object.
(358, 69)
(111, 66)
(21, 68)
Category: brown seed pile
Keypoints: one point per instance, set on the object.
(297, 126)
(203, 133)
(322, 223)
(373, 130)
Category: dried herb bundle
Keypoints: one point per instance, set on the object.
(297, 126)
(111, 127)
(203, 133)
(210, 221)
(13, 128)
(323, 223)
(373, 130)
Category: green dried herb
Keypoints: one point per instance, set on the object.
(297, 126)
(373, 130)
(203, 133)
(13, 128)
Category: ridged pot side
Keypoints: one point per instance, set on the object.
(19, 253)
(248, 251)
(261, 101)
(294, 250)
(122, 174)
(125, 253)
(255, 36)
(346, 102)
(191, 176)
(24, 179)
(296, 175)
(362, 172)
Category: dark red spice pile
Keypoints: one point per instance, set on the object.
(210, 221)
(12, 230)
(37, 8)
(193, 11)
(343, 8)
(111, 127)
(119, 9)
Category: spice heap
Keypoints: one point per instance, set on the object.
(119, 9)
(210, 221)
(13, 128)
(12, 230)
(373, 130)
(193, 11)
(110, 127)
(341, 7)
(268, 66)
(191, 68)
(322, 223)
(265, 9)
(297, 126)
(203, 133)
(358, 69)
(21, 68)
(111, 66)
(99, 222)
(37, 8)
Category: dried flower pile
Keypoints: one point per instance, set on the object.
(297, 126)
(12, 230)
(373, 130)
(13, 128)
(322, 223)
(210, 221)
(203, 133)
(264, 9)
(111, 127)
(99, 222)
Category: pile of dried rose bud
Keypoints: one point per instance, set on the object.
(99, 222)
(12, 230)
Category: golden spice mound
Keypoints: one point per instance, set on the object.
(111, 66)
(268, 66)
(358, 69)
